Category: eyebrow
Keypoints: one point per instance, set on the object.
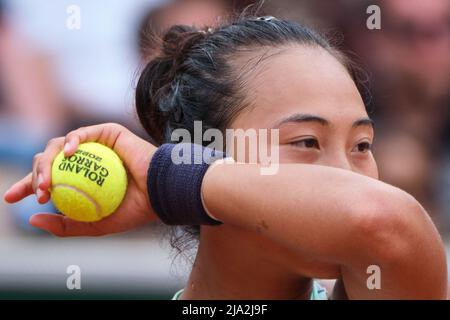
(305, 117)
(302, 117)
(364, 122)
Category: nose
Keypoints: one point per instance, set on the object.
(338, 160)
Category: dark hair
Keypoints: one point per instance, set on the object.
(192, 76)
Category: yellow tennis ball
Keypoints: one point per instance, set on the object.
(90, 184)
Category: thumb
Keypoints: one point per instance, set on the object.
(62, 226)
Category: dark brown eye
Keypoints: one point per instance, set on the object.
(308, 143)
(363, 147)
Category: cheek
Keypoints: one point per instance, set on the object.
(374, 172)
(365, 166)
(368, 167)
(289, 154)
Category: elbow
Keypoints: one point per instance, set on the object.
(398, 234)
(389, 221)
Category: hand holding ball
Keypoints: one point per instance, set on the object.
(89, 185)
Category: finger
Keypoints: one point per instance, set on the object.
(63, 226)
(71, 142)
(106, 134)
(19, 190)
(44, 165)
(34, 172)
(42, 196)
(36, 180)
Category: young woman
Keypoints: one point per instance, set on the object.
(323, 215)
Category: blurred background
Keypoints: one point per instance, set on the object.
(56, 76)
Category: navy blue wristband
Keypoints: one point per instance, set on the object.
(174, 188)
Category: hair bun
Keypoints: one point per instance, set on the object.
(156, 86)
(177, 42)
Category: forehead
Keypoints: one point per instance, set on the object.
(300, 79)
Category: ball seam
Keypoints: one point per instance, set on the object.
(87, 196)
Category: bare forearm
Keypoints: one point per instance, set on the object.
(310, 208)
(333, 215)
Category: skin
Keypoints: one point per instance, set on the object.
(329, 230)
(321, 88)
(289, 88)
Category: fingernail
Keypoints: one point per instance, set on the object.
(5, 195)
(66, 147)
(39, 193)
(40, 180)
(32, 219)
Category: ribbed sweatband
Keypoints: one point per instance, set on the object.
(174, 183)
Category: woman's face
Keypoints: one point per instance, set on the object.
(309, 96)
